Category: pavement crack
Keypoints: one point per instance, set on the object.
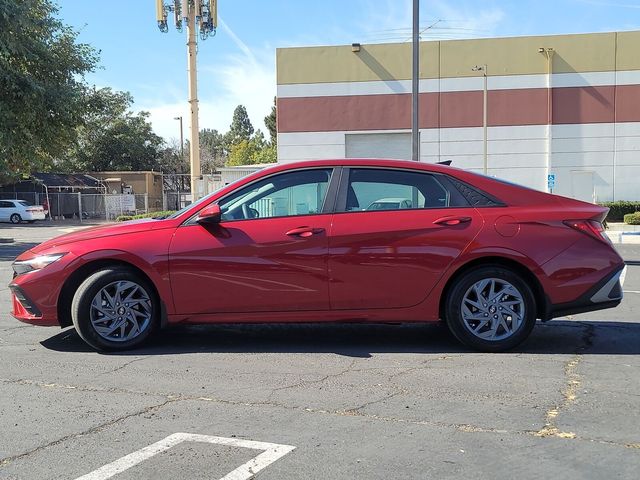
(98, 428)
(305, 383)
(126, 364)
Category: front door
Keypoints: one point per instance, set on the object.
(397, 234)
(269, 252)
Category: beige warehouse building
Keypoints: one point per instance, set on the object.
(564, 108)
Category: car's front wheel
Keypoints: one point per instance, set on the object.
(490, 309)
(114, 309)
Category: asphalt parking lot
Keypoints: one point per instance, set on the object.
(356, 401)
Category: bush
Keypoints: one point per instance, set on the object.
(618, 210)
(124, 218)
(632, 218)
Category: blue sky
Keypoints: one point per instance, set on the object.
(237, 66)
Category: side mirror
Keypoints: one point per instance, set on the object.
(210, 214)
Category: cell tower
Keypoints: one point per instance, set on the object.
(198, 16)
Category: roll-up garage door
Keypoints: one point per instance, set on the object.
(378, 145)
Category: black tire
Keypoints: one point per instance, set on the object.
(87, 291)
(15, 218)
(459, 327)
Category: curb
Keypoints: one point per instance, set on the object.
(628, 238)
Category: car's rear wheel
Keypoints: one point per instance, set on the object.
(490, 309)
(114, 309)
(15, 218)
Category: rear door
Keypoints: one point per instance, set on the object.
(393, 258)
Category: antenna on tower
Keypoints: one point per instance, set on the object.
(205, 12)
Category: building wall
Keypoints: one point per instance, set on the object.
(141, 182)
(584, 117)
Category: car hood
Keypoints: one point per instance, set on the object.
(101, 231)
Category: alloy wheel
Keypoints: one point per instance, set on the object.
(493, 309)
(121, 311)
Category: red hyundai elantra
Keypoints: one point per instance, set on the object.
(332, 241)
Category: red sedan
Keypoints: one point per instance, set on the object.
(297, 243)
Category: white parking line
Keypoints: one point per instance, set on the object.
(271, 453)
(623, 275)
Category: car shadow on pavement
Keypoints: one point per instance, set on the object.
(363, 340)
(9, 251)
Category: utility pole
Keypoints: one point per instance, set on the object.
(415, 138)
(199, 15)
(194, 150)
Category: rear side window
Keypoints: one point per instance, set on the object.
(473, 196)
(5, 204)
(370, 189)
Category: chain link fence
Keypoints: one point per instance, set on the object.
(89, 206)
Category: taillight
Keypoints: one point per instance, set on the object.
(590, 227)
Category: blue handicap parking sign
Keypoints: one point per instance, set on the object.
(551, 180)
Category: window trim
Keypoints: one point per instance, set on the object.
(327, 205)
(341, 202)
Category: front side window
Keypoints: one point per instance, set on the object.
(385, 189)
(294, 193)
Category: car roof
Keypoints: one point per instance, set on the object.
(366, 162)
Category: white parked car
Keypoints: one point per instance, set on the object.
(390, 204)
(16, 211)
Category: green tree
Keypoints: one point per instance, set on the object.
(270, 121)
(112, 137)
(104, 107)
(242, 153)
(128, 143)
(268, 154)
(241, 128)
(43, 93)
(253, 151)
(213, 153)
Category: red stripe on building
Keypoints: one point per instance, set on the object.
(527, 106)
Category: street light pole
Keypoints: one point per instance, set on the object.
(415, 139)
(179, 180)
(485, 156)
(181, 138)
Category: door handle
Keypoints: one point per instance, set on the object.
(304, 231)
(450, 221)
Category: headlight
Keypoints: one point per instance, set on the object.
(35, 263)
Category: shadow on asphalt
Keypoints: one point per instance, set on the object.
(9, 251)
(363, 340)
